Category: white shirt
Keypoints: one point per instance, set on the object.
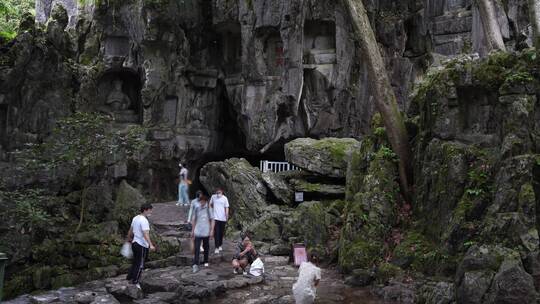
(139, 224)
(307, 274)
(219, 203)
(183, 174)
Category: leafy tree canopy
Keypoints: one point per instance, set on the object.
(10, 15)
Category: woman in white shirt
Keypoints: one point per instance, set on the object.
(183, 198)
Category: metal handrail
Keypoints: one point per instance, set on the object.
(275, 166)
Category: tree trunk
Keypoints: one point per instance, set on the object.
(83, 208)
(383, 93)
(534, 12)
(492, 30)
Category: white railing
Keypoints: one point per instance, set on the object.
(272, 166)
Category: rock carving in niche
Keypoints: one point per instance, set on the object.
(117, 46)
(230, 47)
(196, 118)
(120, 95)
(169, 110)
(269, 48)
(117, 100)
(319, 42)
(196, 111)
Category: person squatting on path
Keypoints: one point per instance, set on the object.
(139, 237)
(183, 198)
(309, 276)
(201, 231)
(220, 204)
(245, 255)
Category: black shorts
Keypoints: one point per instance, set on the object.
(248, 257)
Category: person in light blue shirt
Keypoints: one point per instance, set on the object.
(202, 230)
(194, 203)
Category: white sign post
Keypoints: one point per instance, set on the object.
(299, 197)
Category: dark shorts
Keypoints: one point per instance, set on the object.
(247, 257)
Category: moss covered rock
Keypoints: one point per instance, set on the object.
(370, 215)
(243, 185)
(327, 156)
(127, 204)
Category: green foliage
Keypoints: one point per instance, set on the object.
(387, 154)
(29, 208)
(11, 12)
(380, 132)
(84, 141)
(386, 271)
(425, 256)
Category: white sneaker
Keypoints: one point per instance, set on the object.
(202, 249)
(138, 285)
(206, 265)
(245, 272)
(235, 271)
(220, 249)
(216, 251)
(195, 268)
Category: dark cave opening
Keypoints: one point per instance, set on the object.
(232, 144)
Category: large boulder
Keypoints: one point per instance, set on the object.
(243, 185)
(128, 202)
(327, 156)
(511, 284)
(279, 187)
(371, 212)
(493, 274)
(315, 224)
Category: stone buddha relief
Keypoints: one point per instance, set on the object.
(117, 100)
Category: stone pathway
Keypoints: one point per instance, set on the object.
(171, 280)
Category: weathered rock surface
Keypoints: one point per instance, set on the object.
(279, 187)
(128, 202)
(242, 184)
(327, 156)
(215, 284)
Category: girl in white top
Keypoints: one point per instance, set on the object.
(309, 276)
(183, 199)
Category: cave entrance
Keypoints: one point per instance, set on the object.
(119, 93)
(231, 144)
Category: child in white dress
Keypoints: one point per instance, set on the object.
(309, 276)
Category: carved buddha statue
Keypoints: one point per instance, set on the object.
(117, 99)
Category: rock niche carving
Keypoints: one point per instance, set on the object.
(120, 95)
(319, 42)
(269, 51)
(118, 100)
(230, 46)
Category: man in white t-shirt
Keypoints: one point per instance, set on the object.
(220, 204)
(139, 236)
(309, 276)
